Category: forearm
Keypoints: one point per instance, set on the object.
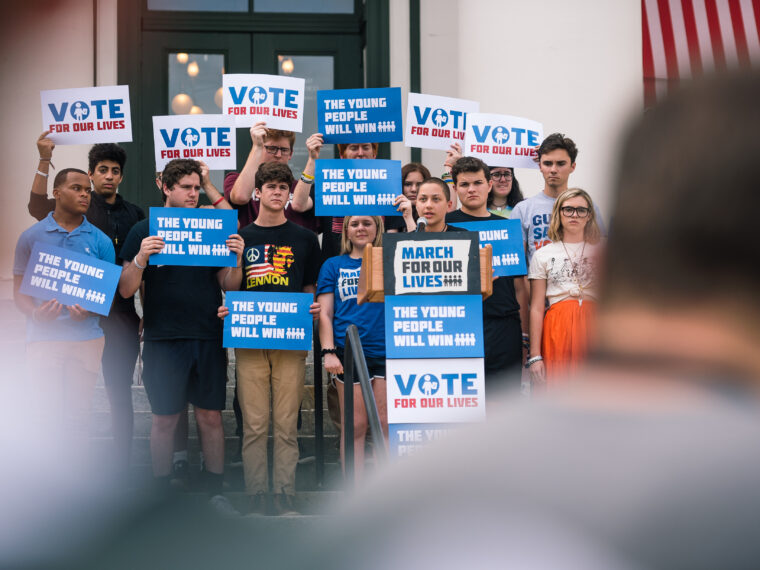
(536, 328)
(302, 201)
(24, 303)
(242, 189)
(216, 198)
(522, 291)
(232, 279)
(39, 183)
(131, 277)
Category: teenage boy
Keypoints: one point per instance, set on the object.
(279, 256)
(501, 311)
(114, 216)
(64, 344)
(433, 203)
(183, 354)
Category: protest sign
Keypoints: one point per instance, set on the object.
(276, 99)
(193, 236)
(440, 326)
(344, 187)
(71, 278)
(505, 237)
(268, 320)
(431, 263)
(360, 115)
(436, 122)
(407, 439)
(209, 138)
(502, 140)
(435, 390)
(87, 115)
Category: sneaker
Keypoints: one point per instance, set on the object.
(258, 505)
(180, 477)
(222, 506)
(283, 505)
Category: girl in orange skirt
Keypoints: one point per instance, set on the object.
(564, 275)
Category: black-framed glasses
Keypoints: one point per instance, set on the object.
(283, 150)
(506, 175)
(580, 211)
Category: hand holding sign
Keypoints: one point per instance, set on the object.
(48, 311)
(77, 313)
(45, 146)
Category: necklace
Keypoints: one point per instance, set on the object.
(577, 290)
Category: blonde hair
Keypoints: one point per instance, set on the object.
(345, 244)
(591, 232)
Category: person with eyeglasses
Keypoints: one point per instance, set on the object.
(564, 273)
(505, 193)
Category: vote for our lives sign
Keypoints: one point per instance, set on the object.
(356, 187)
(436, 122)
(502, 140)
(505, 237)
(268, 320)
(71, 278)
(193, 236)
(276, 99)
(360, 115)
(87, 115)
(209, 138)
(439, 326)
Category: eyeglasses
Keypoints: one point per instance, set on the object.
(506, 175)
(283, 150)
(581, 212)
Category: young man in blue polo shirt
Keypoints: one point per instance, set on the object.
(64, 343)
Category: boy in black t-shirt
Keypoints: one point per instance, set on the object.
(183, 354)
(502, 334)
(278, 256)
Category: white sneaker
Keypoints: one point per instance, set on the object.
(222, 506)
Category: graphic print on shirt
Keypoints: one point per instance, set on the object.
(540, 230)
(268, 265)
(560, 272)
(348, 283)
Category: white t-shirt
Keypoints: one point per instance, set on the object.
(551, 262)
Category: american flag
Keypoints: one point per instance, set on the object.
(687, 38)
(266, 259)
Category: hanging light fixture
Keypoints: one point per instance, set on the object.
(182, 103)
(287, 66)
(196, 110)
(192, 69)
(182, 58)
(219, 97)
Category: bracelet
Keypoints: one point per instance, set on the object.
(307, 179)
(309, 176)
(329, 351)
(46, 159)
(137, 264)
(219, 200)
(531, 361)
(45, 174)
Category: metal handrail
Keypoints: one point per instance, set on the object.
(319, 438)
(354, 361)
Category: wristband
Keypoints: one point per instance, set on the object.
(219, 200)
(306, 180)
(137, 264)
(45, 174)
(526, 341)
(329, 351)
(307, 176)
(531, 361)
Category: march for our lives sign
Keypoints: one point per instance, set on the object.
(502, 140)
(505, 237)
(426, 326)
(71, 278)
(209, 138)
(193, 236)
(276, 99)
(436, 122)
(360, 115)
(87, 115)
(268, 320)
(356, 187)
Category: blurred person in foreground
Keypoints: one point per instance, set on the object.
(649, 458)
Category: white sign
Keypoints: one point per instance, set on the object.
(436, 122)
(209, 138)
(445, 390)
(276, 99)
(431, 266)
(87, 115)
(502, 140)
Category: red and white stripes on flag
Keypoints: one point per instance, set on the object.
(687, 38)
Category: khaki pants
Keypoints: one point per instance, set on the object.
(260, 371)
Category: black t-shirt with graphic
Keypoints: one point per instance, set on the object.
(282, 258)
(180, 302)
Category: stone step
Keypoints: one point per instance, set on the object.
(311, 504)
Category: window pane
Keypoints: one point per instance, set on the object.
(317, 70)
(195, 87)
(305, 6)
(199, 5)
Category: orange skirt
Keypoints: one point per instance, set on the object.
(564, 343)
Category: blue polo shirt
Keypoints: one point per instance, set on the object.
(86, 239)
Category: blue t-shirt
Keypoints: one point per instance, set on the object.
(340, 276)
(86, 239)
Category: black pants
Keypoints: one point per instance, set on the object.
(502, 337)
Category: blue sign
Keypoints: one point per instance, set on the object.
(268, 320)
(360, 115)
(71, 278)
(407, 439)
(505, 237)
(441, 326)
(193, 236)
(357, 187)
